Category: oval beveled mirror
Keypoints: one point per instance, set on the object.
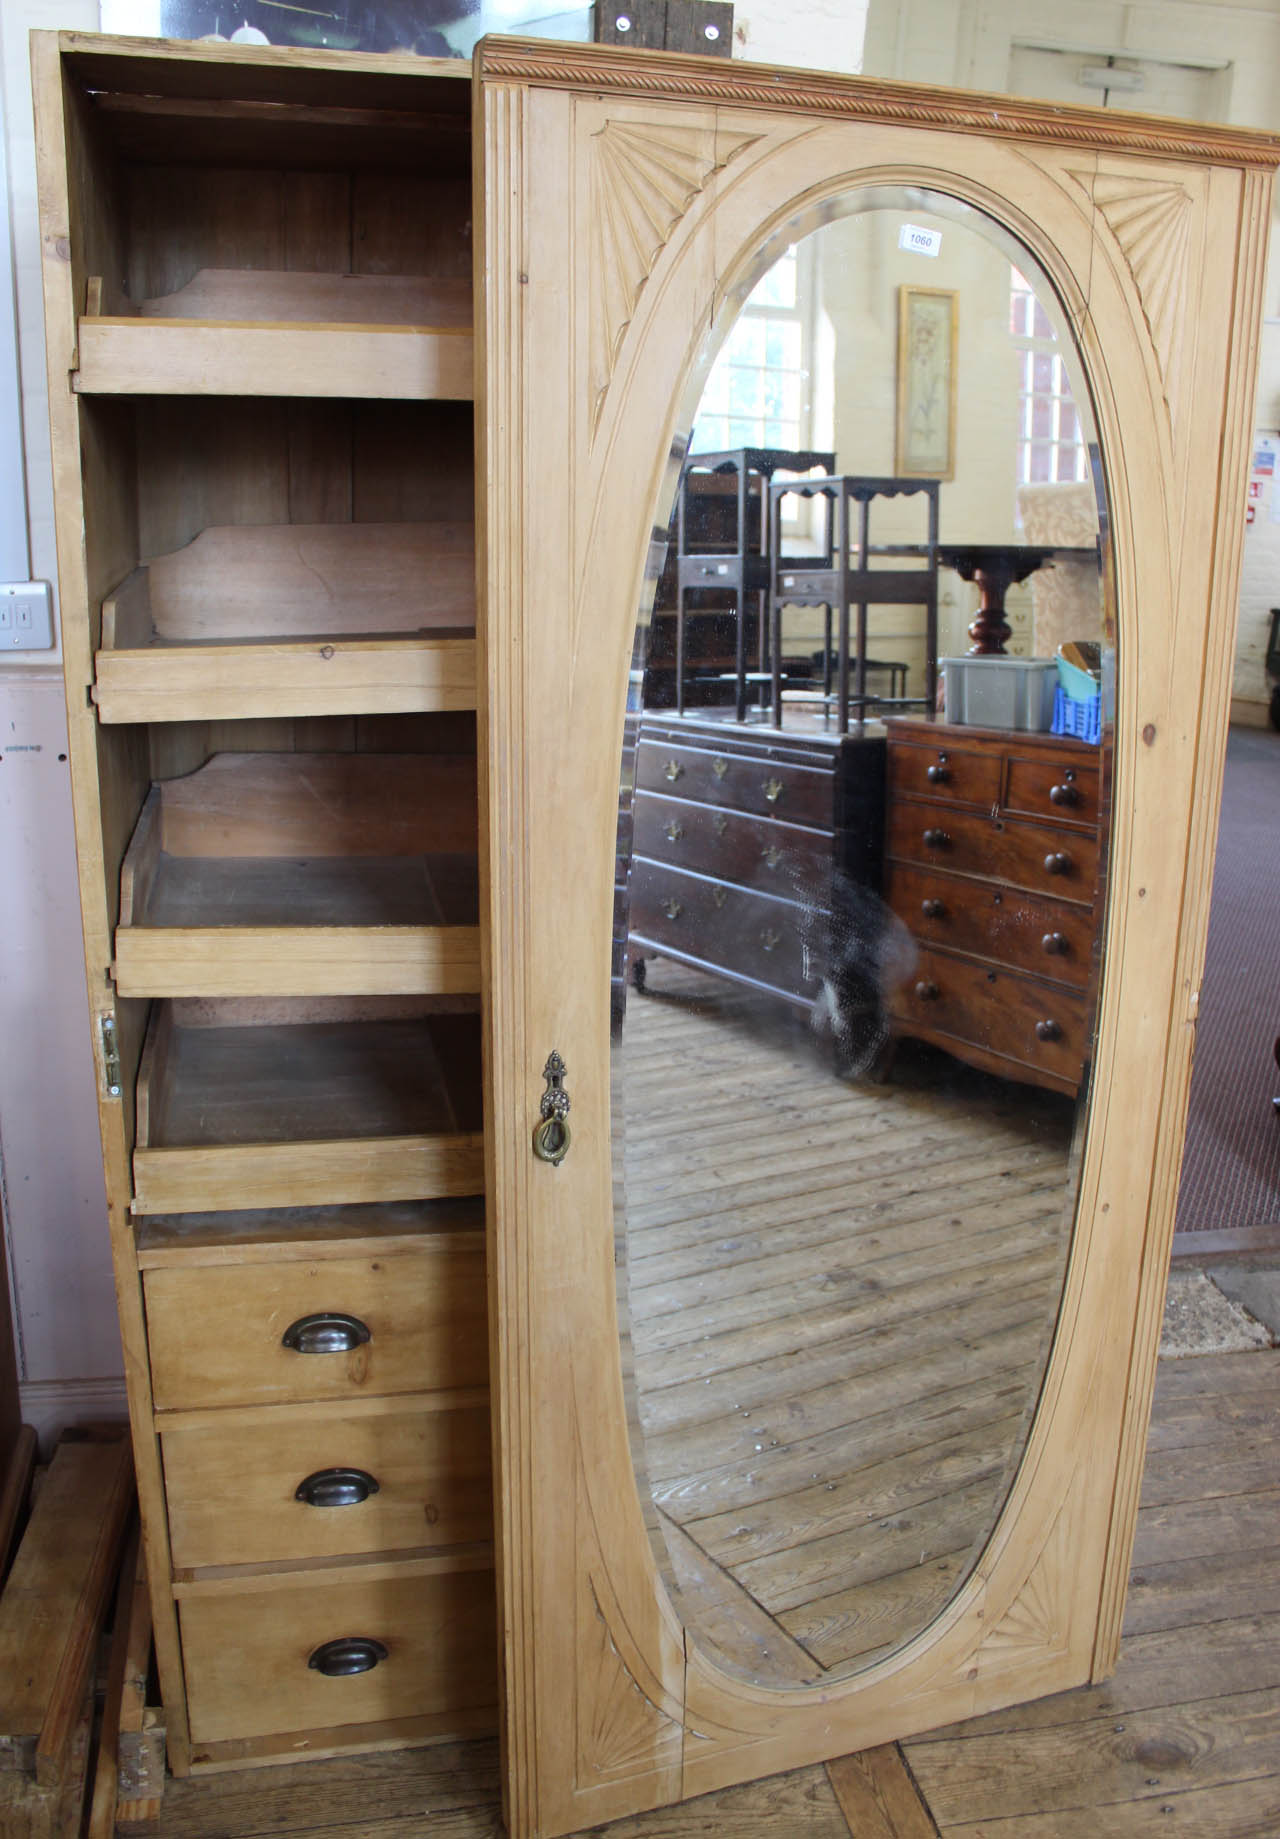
(861, 870)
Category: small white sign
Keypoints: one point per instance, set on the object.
(918, 241)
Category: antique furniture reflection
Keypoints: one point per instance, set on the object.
(721, 552)
(743, 842)
(992, 854)
(837, 582)
(994, 568)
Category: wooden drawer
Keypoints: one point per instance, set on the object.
(754, 852)
(233, 1488)
(749, 935)
(1062, 789)
(998, 1012)
(751, 783)
(216, 1333)
(1022, 931)
(948, 774)
(247, 1652)
(1047, 859)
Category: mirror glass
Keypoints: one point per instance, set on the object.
(859, 902)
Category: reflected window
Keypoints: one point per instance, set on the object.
(1051, 448)
(757, 393)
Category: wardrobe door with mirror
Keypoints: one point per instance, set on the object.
(838, 1041)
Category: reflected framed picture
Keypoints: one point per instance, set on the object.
(927, 330)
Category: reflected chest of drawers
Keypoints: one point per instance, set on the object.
(993, 864)
(744, 843)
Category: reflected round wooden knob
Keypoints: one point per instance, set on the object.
(1059, 863)
(1055, 944)
(937, 774)
(926, 991)
(936, 839)
(1048, 1031)
(932, 909)
(1064, 795)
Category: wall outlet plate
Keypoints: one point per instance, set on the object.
(26, 616)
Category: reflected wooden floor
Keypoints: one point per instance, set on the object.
(842, 1296)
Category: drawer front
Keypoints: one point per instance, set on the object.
(945, 773)
(284, 1489)
(1041, 1025)
(1021, 931)
(738, 782)
(216, 1333)
(754, 852)
(246, 1655)
(1059, 862)
(728, 928)
(1063, 789)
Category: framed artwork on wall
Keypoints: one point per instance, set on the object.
(927, 323)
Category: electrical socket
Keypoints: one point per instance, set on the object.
(26, 616)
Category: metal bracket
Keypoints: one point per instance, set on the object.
(110, 1055)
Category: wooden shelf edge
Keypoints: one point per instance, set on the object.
(188, 357)
(264, 1579)
(155, 961)
(386, 1404)
(300, 1174)
(344, 1740)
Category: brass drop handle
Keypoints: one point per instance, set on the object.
(936, 839)
(773, 790)
(719, 895)
(671, 907)
(1064, 795)
(772, 856)
(719, 823)
(336, 1488)
(551, 1132)
(933, 908)
(349, 1655)
(327, 1332)
(1048, 1031)
(927, 992)
(672, 770)
(1055, 943)
(770, 938)
(719, 768)
(938, 774)
(1059, 863)
(675, 830)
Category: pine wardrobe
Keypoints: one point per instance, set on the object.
(370, 379)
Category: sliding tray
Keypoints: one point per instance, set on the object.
(241, 332)
(293, 619)
(295, 874)
(306, 1103)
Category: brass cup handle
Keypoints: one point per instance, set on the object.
(328, 1332)
(336, 1488)
(1064, 795)
(933, 908)
(349, 1655)
(773, 790)
(936, 839)
(1048, 1031)
(1055, 943)
(1057, 863)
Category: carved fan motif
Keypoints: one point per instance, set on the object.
(643, 180)
(1151, 221)
(623, 1733)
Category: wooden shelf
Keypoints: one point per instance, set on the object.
(304, 875)
(265, 1235)
(293, 619)
(244, 1104)
(235, 332)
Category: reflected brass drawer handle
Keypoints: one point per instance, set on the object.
(1048, 1031)
(675, 830)
(672, 770)
(770, 938)
(671, 907)
(933, 909)
(347, 1656)
(936, 839)
(720, 824)
(772, 856)
(1055, 943)
(1059, 863)
(773, 790)
(927, 992)
(336, 1488)
(719, 895)
(719, 768)
(328, 1332)
(940, 773)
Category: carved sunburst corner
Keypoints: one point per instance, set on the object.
(643, 180)
(1151, 221)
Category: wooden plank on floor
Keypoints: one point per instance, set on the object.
(878, 1797)
(102, 1808)
(14, 1495)
(1196, 1529)
(1235, 1810)
(1213, 1587)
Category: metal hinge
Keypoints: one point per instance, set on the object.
(110, 1055)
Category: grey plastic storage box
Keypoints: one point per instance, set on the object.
(1000, 692)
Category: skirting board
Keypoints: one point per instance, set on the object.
(51, 1406)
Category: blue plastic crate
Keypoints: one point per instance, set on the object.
(1081, 719)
